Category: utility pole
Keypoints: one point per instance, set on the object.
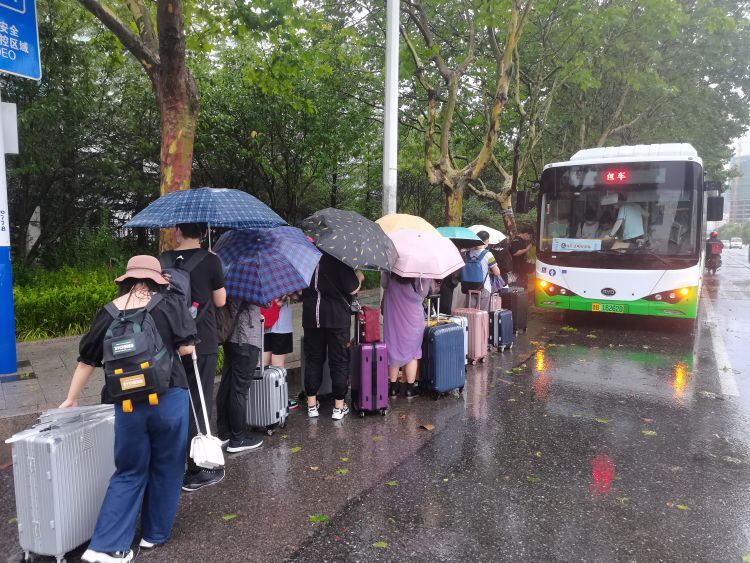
(390, 114)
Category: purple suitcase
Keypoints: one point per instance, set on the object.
(370, 378)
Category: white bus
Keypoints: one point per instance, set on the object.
(620, 230)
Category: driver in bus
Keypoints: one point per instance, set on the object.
(630, 217)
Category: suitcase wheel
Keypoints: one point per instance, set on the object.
(502, 348)
(153, 399)
(383, 412)
(361, 414)
(461, 389)
(510, 346)
(269, 431)
(127, 405)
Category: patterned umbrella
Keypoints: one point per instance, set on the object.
(351, 238)
(263, 265)
(461, 236)
(228, 208)
(397, 221)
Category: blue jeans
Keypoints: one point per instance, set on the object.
(150, 447)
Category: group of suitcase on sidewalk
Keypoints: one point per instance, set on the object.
(450, 342)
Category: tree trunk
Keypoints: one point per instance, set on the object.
(509, 218)
(454, 202)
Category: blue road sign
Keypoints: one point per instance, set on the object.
(19, 39)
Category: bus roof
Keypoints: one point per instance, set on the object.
(635, 153)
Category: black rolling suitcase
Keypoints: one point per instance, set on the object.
(516, 299)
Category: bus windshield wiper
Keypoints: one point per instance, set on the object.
(655, 255)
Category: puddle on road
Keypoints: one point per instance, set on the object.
(653, 375)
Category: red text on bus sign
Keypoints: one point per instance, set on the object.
(618, 176)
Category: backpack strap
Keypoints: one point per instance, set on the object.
(195, 259)
(156, 298)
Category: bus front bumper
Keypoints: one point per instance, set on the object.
(686, 308)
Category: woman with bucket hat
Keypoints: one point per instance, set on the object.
(150, 431)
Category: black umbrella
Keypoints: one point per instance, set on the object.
(353, 239)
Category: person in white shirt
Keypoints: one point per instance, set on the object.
(590, 226)
(630, 218)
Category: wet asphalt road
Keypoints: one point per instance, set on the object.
(599, 438)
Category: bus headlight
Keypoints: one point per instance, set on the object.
(671, 296)
(551, 289)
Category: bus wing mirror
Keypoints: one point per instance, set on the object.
(712, 186)
(523, 202)
(715, 208)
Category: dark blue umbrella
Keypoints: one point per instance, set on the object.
(232, 209)
(263, 265)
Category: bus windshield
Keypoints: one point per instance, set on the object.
(637, 207)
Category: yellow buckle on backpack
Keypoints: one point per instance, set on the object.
(119, 371)
(127, 405)
(153, 399)
(145, 365)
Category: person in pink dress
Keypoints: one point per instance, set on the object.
(403, 321)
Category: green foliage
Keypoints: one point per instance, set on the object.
(59, 303)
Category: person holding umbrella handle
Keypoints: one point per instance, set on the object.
(326, 321)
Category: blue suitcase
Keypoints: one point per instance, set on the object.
(442, 368)
(501, 329)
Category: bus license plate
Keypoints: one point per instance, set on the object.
(607, 308)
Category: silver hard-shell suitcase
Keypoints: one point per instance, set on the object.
(268, 399)
(61, 470)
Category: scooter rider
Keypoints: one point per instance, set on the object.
(714, 247)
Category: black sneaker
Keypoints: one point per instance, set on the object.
(393, 389)
(204, 478)
(244, 445)
(411, 391)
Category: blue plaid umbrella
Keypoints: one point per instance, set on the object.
(228, 208)
(263, 265)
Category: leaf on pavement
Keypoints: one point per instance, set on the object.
(538, 454)
(318, 518)
(682, 506)
(342, 471)
(427, 426)
(532, 479)
(380, 545)
(13, 520)
(284, 436)
(591, 336)
(228, 517)
(577, 415)
(622, 500)
(569, 329)
(295, 449)
(648, 432)
(315, 467)
(392, 483)
(344, 459)
(377, 438)
(647, 420)
(512, 400)
(602, 420)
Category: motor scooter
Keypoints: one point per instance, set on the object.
(713, 263)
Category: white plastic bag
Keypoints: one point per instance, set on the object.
(205, 449)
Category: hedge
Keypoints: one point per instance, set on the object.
(60, 303)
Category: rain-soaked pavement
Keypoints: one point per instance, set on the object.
(597, 439)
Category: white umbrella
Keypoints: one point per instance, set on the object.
(496, 237)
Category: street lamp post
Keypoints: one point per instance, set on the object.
(390, 113)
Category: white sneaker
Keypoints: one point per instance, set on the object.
(145, 544)
(338, 414)
(91, 556)
(312, 412)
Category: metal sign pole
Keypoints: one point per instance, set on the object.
(7, 317)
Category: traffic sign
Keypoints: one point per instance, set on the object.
(19, 39)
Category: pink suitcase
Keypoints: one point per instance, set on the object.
(479, 330)
(496, 302)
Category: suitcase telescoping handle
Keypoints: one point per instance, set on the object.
(198, 384)
(262, 348)
(430, 299)
(479, 298)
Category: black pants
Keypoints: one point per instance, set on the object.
(240, 361)
(335, 344)
(207, 369)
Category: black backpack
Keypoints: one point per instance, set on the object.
(137, 365)
(503, 257)
(179, 271)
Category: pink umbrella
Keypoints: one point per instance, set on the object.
(422, 254)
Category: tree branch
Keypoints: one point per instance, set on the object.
(148, 59)
(145, 24)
